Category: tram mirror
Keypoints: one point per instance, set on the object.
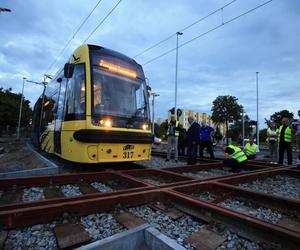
(59, 79)
(68, 70)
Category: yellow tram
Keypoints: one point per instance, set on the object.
(96, 109)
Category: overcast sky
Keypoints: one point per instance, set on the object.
(223, 62)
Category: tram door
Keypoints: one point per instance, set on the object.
(59, 116)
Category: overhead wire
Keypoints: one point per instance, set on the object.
(206, 32)
(183, 29)
(103, 20)
(73, 36)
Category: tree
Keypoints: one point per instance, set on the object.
(263, 135)
(161, 130)
(9, 110)
(236, 130)
(225, 109)
(277, 116)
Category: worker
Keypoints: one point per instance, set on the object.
(285, 135)
(172, 133)
(251, 149)
(235, 158)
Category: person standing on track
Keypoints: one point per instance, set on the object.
(192, 140)
(272, 133)
(205, 140)
(285, 135)
(173, 133)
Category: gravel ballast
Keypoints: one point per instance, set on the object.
(101, 187)
(42, 236)
(176, 229)
(101, 225)
(158, 162)
(33, 194)
(278, 185)
(250, 208)
(70, 190)
(214, 172)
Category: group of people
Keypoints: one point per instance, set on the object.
(279, 139)
(179, 139)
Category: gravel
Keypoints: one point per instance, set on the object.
(207, 196)
(179, 229)
(277, 185)
(70, 190)
(101, 187)
(235, 242)
(158, 162)
(101, 225)
(214, 172)
(33, 194)
(250, 208)
(40, 236)
(154, 180)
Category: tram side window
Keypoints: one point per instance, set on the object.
(75, 105)
(49, 109)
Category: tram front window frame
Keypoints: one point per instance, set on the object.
(119, 94)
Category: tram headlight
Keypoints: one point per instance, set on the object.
(145, 126)
(106, 123)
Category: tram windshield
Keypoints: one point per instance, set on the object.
(118, 91)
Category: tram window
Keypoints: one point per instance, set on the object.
(76, 94)
(113, 94)
(49, 109)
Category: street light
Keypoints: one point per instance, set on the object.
(153, 96)
(176, 70)
(20, 111)
(44, 83)
(243, 124)
(257, 123)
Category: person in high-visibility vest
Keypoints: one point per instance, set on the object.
(285, 136)
(173, 134)
(251, 149)
(234, 158)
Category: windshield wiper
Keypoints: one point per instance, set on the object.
(135, 115)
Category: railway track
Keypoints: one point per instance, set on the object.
(186, 204)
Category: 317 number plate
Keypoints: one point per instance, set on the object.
(127, 155)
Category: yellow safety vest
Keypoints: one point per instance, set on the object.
(251, 150)
(176, 132)
(238, 154)
(287, 134)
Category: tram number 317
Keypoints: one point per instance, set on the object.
(127, 155)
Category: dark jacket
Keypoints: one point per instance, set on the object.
(193, 133)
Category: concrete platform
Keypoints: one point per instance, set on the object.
(143, 237)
